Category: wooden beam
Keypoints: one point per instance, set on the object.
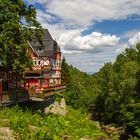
(1, 90)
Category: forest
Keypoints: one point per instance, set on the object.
(112, 95)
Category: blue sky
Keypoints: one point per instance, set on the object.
(90, 32)
(117, 27)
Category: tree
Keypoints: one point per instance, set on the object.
(119, 101)
(64, 71)
(18, 24)
(64, 67)
(112, 95)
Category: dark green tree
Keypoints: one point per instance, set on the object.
(112, 95)
(119, 101)
(64, 71)
(64, 67)
(18, 24)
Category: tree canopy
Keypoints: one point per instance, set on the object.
(112, 95)
(18, 24)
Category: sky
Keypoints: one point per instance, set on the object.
(90, 32)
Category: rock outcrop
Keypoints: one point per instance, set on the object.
(6, 134)
(58, 108)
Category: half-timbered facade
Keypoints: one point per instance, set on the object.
(45, 74)
(48, 59)
(40, 81)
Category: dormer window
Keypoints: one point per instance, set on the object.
(39, 49)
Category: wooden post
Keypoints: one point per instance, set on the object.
(1, 90)
(48, 82)
(24, 85)
(16, 86)
(7, 83)
(43, 96)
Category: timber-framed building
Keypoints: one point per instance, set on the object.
(40, 81)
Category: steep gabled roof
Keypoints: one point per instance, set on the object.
(31, 47)
(50, 45)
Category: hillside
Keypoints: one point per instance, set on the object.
(27, 125)
(112, 95)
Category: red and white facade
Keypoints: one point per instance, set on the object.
(56, 66)
(53, 64)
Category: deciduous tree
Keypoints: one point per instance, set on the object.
(17, 26)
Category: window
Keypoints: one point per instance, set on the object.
(57, 63)
(4, 85)
(54, 63)
(39, 49)
(38, 62)
(35, 63)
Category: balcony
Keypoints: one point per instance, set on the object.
(56, 68)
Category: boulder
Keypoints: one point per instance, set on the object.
(6, 134)
(85, 139)
(58, 108)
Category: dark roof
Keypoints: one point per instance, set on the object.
(50, 46)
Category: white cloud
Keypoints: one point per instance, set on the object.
(130, 34)
(84, 12)
(43, 17)
(90, 62)
(135, 39)
(72, 17)
(72, 40)
(121, 48)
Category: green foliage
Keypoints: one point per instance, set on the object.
(17, 26)
(119, 98)
(133, 138)
(111, 95)
(82, 89)
(64, 71)
(57, 97)
(27, 125)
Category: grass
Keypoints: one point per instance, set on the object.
(36, 126)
